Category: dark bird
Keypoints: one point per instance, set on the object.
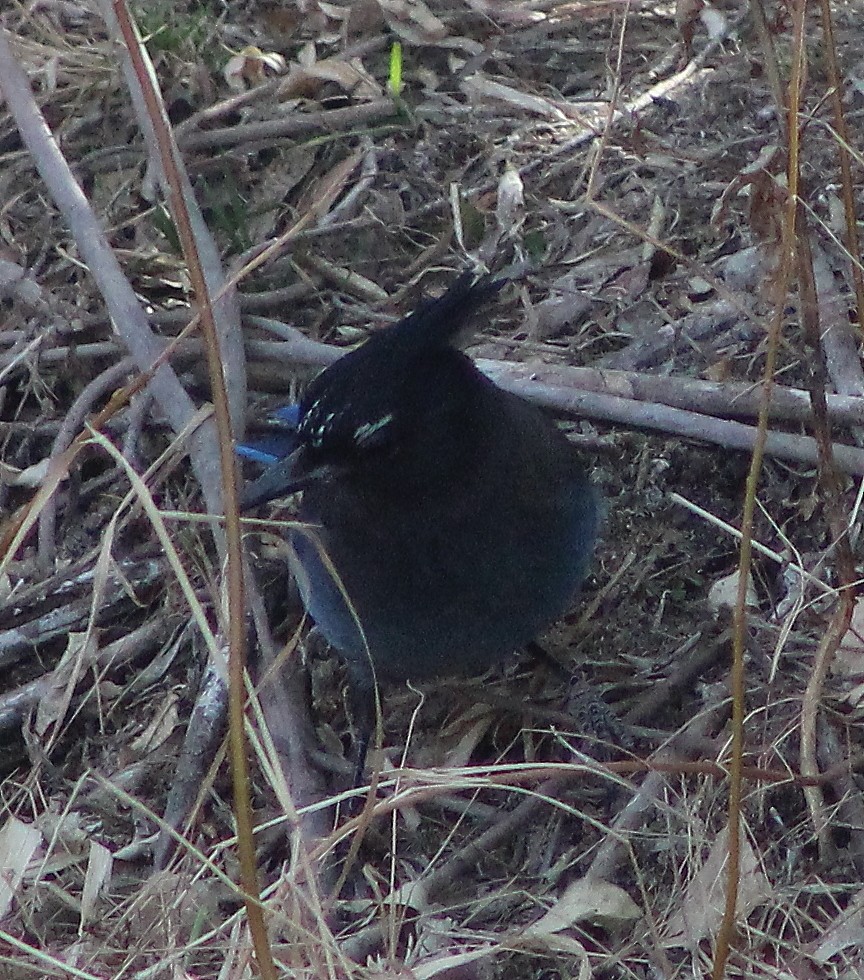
(448, 521)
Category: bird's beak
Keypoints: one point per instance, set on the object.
(282, 478)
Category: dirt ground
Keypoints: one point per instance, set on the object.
(627, 166)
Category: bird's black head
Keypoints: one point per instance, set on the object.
(392, 411)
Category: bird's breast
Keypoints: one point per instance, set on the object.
(442, 589)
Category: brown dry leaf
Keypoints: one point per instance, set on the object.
(723, 594)
(32, 476)
(318, 198)
(701, 909)
(686, 15)
(628, 284)
(452, 965)
(411, 894)
(162, 725)
(99, 867)
(464, 735)
(848, 662)
(306, 79)
(716, 23)
(767, 195)
(720, 370)
(510, 206)
(276, 186)
(847, 932)
(565, 306)
(69, 836)
(413, 21)
(250, 67)
(335, 11)
(855, 698)
(18, 844)
(365, 17)
(849, 659)
(80, 651)
(506, 12)
(590, 900)
(556, 942)
(478, 88)
(284, 20)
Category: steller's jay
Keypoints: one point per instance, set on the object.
(457, 518)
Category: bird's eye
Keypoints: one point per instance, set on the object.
(372, 434)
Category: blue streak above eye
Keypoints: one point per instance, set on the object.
(289, 414)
